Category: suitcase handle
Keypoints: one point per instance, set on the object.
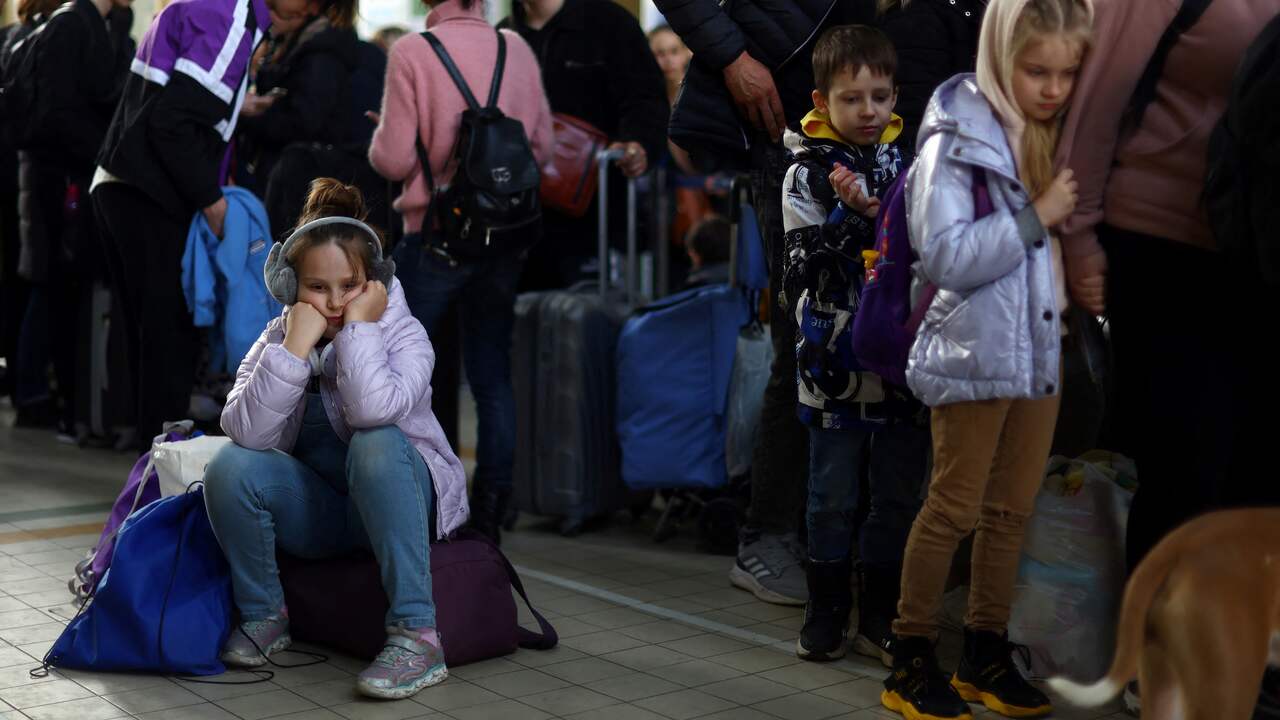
(603, 159)
(739, 198)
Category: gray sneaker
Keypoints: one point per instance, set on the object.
(770, 566)
(251, 643)
(408, 663)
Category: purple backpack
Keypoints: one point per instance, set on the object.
(885, 324)
(141, 489)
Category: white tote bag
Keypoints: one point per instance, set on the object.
(181, 463)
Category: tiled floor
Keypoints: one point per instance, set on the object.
(647, 631)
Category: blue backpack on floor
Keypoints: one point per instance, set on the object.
(165, 603)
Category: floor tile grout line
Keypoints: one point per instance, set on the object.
(657, 610)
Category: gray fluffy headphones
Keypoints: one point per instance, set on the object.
(282, 281)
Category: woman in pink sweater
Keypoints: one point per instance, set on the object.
(422, 102)
(1139, 245)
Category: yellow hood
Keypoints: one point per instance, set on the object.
(818, 126)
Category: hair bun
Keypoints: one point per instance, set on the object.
(329, 197)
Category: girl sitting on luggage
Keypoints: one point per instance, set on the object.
(986, 359)
(336, 446)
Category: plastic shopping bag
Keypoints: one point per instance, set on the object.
(1071, 577)
(751, 363)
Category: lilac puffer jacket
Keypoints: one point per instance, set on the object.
(373, 374)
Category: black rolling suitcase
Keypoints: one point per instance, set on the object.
(104, 396)
(567, 460)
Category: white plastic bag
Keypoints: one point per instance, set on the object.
(1071, 577)
(179, 464)
(751, 362)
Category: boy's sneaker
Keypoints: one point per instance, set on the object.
(877, 608)
(770, 566)
(987, 675)
(826, 615)
(410, 661)
(251, 643)
(918, 689)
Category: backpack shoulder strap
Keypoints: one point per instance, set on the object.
(528, 639)
(1188, 15)
(498, 67)
(452, 69)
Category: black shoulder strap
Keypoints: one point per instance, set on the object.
(528, 639)
(1188, 15)
(496, 85)
(426, 167)
(452, 69)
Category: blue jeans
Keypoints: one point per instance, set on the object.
(899, 457)
(487, 291)
(325, 500)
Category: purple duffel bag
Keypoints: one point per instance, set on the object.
(339, 602)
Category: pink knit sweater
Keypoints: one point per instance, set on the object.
(421, 101)
(1150, 182)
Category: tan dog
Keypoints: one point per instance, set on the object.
(1199, 621)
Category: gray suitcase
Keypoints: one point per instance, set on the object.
(567, 456)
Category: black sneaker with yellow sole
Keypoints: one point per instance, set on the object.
(918, 689)
(987, 675)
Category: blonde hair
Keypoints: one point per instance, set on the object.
(1070, 18)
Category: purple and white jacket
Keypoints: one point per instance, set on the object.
(182, 99)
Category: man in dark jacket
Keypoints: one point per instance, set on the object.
(596, 66)
(77, 62)
(750, 78)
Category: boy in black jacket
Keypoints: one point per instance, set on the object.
(845, 158)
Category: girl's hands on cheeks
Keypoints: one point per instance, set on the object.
(304, 327)
(845, 183)
(368, 306)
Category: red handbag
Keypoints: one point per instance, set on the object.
(569, 180)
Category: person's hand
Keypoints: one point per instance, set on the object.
(254, 104)
(1058, 201)
(634, 161)
(303, 328)
(751, 85)
(368, 306)
(1087, 282)
(845, 183)
(216, 216)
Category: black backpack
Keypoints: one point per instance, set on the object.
(19, 91)
(1242, 185)
(492, 206)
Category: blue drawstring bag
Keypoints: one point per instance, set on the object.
(165, 603)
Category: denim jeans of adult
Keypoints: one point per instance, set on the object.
(779, 461)
(326, 499)
(486, 293)
(899, 457)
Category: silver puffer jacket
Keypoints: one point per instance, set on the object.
(993, 328)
